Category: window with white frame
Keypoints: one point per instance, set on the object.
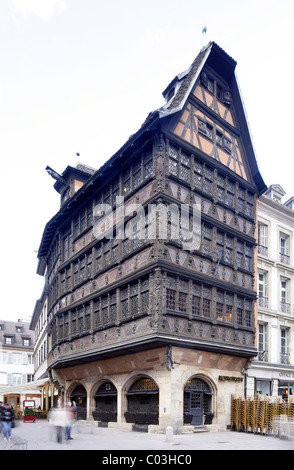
(262, 239)
(284, 355)
(262, 352)
(285, 295)
(284, 248)
(3, 357)
(262, 290)
(16, 358)
(16, 379)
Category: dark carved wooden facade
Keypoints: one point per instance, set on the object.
(113, 296)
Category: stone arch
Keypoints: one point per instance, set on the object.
(199, 399)
(134, 376)
(105, 401)
(142, 398)
(78, 394)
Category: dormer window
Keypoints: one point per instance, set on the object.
(19, 329)
(8, 340)
(276, 193)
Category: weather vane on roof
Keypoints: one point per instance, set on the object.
(204, 31)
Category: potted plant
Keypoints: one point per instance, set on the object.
(29, 414)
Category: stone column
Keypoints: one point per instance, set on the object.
(171, 399)
(119, 404)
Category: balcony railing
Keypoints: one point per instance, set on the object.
(284, 258)
(262, 356)
(285, 358)
(285, 307)
(263, 301)
(263, 250)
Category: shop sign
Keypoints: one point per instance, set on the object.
(225, 378)
(288, 375)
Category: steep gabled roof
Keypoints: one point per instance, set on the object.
(178, 91)
(183, 84)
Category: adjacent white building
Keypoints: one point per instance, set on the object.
(272, 372)
(16, 361)
(39, 326)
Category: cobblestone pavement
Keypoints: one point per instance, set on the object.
(42, 436)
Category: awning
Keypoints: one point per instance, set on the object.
(30, 387)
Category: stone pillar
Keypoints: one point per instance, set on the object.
(119, 404)
(89, 411)
(171, 400)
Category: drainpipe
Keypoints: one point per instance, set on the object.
(245, 373)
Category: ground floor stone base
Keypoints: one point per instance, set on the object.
(180, 387)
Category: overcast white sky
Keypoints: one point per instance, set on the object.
(82, 76)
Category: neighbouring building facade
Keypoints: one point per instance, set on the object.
(151, 321)
(48, 391)
(16, 363)
(272, 371)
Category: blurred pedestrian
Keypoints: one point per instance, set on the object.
(7, 418)
(57, 417)
(70, 413)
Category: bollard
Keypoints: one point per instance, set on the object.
(169, 434)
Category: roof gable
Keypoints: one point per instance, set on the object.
(208, 113)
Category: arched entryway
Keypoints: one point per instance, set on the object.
(105, 403)
(79, 396)
(197, 402)
(143, 402)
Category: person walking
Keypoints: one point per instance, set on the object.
(57, 417)
(69, 419)
(7, 418)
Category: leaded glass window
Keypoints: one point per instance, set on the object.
(248, 310)
(145, 295)
(124, 303)
(208, 180)
(198, 172)
(143, 385)
(196, 299)
(240, 311)
(134, 299)
(207, 238)
(171, 299)
(104, 310)
(221, 188)
(97, 318)
(230, 196)
(112, 308)
(206, 302)
(147, 164)
(87, 317)
(74, 328)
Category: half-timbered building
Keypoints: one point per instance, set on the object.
(151, 321)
